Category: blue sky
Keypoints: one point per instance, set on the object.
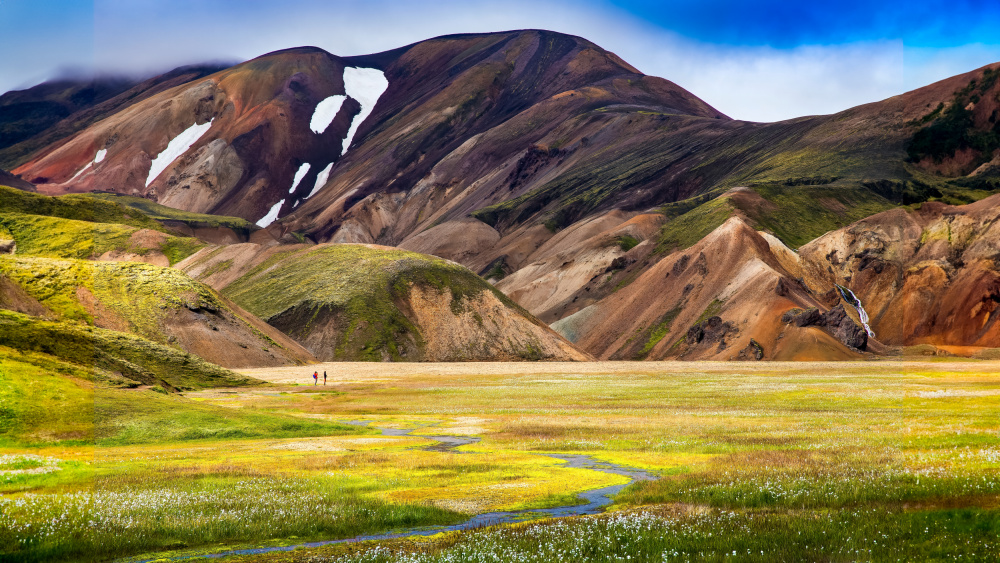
(762, 60)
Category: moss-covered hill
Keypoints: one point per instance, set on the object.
(46, 400)
(359, 302)
(119, 359)
(39, 235)
(161, 305)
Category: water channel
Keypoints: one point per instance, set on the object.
(594, 500)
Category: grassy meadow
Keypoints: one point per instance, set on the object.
(866, 461)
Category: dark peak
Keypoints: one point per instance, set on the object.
(304, 50)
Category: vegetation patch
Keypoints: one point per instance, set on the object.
(164, 213)
(359, 286)
(953, 128)
(690, 227)
(138, 295)
(118, 353)
(627, 242)
(657, 332)
(800, 214)
(74, 206)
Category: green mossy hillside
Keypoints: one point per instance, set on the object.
(795, 214)
(38, 235)
(135, 295)
(688, 228)
(799, 214)
(47, 401)
(116, 353)
(43, 399)
(164, 213)
(363, 287)
(75, 206)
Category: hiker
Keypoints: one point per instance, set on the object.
(315, 378)
(324, 377)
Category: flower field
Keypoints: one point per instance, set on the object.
(872, 461)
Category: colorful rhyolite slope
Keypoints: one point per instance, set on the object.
(637, 219)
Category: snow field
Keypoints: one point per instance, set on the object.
(325, 111)
(366, 85)
(271, 216)
(299, 174)
(175, 148)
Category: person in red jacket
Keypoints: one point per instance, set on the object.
(315, 378)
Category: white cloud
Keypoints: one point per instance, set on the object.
(755, 83)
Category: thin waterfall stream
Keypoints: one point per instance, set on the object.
(849, 296)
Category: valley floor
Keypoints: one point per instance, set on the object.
(863, 461)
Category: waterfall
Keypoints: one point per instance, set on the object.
(849, 296)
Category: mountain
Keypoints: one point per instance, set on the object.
(635, 218)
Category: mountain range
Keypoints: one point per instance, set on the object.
(517, 195)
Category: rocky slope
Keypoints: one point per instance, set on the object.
(348, 301)
(721, 299)
(926, 276)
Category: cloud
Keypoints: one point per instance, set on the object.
(754, 83)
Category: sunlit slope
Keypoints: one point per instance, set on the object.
(375, 303)
(162, 305)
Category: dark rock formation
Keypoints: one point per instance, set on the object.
(835, 321)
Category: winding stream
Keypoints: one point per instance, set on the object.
(594, 499)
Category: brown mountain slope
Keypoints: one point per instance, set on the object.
(708, 302)
(441, 93)
(40, 118)
(928, 276)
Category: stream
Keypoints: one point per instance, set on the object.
(849, 296)
(594, 500)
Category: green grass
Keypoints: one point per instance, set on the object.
(132, 357)
(164, 213)
(118, 518)
(77, 207)
(871, 461)
(43, 399)
(716, 535)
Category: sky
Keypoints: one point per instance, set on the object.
(762, 60)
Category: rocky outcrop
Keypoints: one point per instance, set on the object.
(835, 321)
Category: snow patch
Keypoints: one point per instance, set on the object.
(366, 85)
(325, 112)
(271, 216)
(97, 158)
(301, 173)
(175, 148)
(321, 180)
